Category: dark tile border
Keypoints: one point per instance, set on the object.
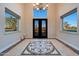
(5, 51)
(40, 55)
(75, 50)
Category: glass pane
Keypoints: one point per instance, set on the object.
(70, 22)
(43, 28)
(43, 13)
(11, 22)
(36, 29)
(39, 13)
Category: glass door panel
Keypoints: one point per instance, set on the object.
(36, 29)
(43, 28)
(39, 28)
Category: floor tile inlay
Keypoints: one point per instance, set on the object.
(40, 47)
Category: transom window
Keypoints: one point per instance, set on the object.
(39, 13)
(40, 10)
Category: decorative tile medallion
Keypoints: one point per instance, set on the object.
(40, 47)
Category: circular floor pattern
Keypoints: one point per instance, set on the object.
(40, 47)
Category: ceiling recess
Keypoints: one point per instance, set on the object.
(40, 6)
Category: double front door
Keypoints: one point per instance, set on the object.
(39, 28)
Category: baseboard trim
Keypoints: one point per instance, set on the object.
(8, 49)
(72, 48)
(40, 38)
(51, 38)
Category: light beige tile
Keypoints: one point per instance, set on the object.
(17, 50)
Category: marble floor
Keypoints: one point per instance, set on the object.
(18, 49)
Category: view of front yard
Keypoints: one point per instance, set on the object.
(70, 22)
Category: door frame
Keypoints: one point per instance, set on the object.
(46, 27)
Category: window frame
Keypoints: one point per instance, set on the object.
(17, 20)
(39, 14)
(67, 14)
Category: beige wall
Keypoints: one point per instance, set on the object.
(29, 20)
(8, 39)
(70, 38)
(51, 20)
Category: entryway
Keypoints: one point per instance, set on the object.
(39, 28)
